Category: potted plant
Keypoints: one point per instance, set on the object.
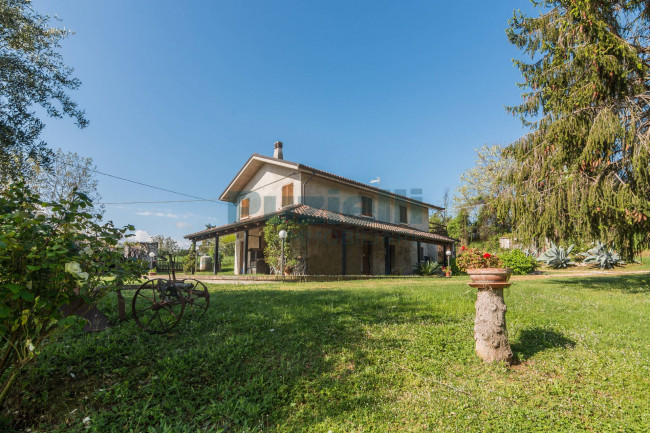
(482, 267)
(447, 271)
(490, 333)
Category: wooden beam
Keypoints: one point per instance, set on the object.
(245, 252)
(194, 256)
(215, 262)
(343, 253)
(386, 255)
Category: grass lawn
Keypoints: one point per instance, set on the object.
(358, 356)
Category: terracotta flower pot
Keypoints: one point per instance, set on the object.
(497, 277)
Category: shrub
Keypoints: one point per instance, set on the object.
(557, 257)
(472, 258)
(429, 268)
(518, 261)
(51, 255)
(455, 270)
(294, 245)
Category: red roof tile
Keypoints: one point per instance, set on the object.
(329, 217)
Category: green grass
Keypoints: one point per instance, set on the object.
(358, 356)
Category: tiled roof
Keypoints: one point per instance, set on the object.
(329, 217)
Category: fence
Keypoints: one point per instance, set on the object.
(166, 266)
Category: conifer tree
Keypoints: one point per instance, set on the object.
(584, 167)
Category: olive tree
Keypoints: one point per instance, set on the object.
(32, 77)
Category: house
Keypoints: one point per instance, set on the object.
(353, 228)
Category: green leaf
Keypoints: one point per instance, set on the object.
(27, 296)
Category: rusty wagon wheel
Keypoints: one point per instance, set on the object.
(158, 305)
(197, 297)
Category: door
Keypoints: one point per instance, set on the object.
(367, 257)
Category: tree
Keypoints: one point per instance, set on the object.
(476, 194)
(480, 185)
(51, 255)
(459, 227)
(68, 174)
(584, 166)
(32, 74)
(166, 245)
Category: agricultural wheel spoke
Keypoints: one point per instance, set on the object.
(197, 296)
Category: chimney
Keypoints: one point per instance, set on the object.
(277, 152)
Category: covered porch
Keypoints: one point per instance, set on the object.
(336, 244)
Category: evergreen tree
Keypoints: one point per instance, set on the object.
(585, 165)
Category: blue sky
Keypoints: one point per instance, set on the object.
(179, 94)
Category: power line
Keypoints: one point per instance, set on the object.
(142, 183)
(196, 199)
(156, 202)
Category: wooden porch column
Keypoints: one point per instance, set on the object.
(343, 253)
(245, 252)
(419, 246)
(216, 255)
(194, 256)
(386, 256)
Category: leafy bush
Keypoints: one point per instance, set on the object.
(518, 261)
(429, 268)
(604, 257)
(294, 245)
(455, 270)
(557, 257)
(472, 258)
(189, 262)
(51, 255)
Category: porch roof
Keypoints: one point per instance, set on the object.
(322, 216)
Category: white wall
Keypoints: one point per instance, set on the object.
(325, 194)
(265, 189)
(265, 195)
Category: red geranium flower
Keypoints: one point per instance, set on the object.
(463, 248)
(487, 255)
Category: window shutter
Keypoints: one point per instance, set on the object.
(402, 215)
(287, 195)
(245, 208)
(366, 206)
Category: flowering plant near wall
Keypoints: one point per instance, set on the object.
(473, 258)
(51, 255)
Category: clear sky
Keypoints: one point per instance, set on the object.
(180, 93)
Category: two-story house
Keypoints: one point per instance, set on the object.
(353, 228)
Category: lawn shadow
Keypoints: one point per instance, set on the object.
(255, 352)
(534, 340)
(637, 283)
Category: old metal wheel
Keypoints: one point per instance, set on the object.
(158, 305)
(197, 297)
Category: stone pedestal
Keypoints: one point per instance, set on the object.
(490, 333)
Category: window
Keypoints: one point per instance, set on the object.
(287, 195)
(402, 215)
(244, 208)
(366, 206)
